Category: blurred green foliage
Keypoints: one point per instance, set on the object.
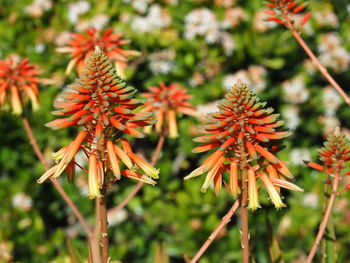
(174, 213)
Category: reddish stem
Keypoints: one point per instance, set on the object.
(225, 220)
(244, 217)
(138, 187)
(61, 191)
(314, 59)
(324, 222)
(104, 225)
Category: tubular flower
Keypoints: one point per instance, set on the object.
(245, 136)
(334, 154)
(81, 46)
(166, 102)
(284, 11)
(101, 103)
(19, 82)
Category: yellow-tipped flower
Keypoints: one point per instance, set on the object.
(273, 193)
(252, 191)
(94, 189)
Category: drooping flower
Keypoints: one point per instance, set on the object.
(19, 82)
(245, 136)
(334, 154)
(101, 103)
(81, 46)
(285, 11)
(166, 102)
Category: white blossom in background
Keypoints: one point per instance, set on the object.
(291, 116)
(232, 17)
(157, 18)
(99, 21)
(332, 54)
(202, 22)
(231, 79)
(62, 38)
(117, 218)
(40, 48)
(295, 90)
(310, 200)
(162, 62)
(6, 251)
(140, 6)
(254, 77)
(330, 100)
(38, 7)
(204, 109)
(298, 156)
(76, 9)
(260, 22)
(325, 17)
(22, 201)
(228, 43)
(81, 183)
(257, 75)
(329, 122)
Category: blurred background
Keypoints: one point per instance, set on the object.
(205, 46)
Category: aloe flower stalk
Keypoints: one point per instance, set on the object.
(245, 135)
(280, 9)
(19, 83)
(81, 47)
(334, 155)
(102, 104)
(284, 12)
(167, 102)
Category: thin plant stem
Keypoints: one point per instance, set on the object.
(315, 60)
(244, 218)
(326, 216)
(60, 190)
(104, 225)
(225, 220)
(138, 187)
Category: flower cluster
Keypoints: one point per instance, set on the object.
(284, 11)
(19, 79)
(246, 137)
(334, 154)
(81, 46)
(102, 103)
(166, 102)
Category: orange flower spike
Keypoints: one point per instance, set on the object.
(247, 134)
(91, 103)
(252, 191)
(234, 188)
(94, 189)
(19, 82)
(81, 46)
(167, 102)
(282, 8)
(273, 193)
